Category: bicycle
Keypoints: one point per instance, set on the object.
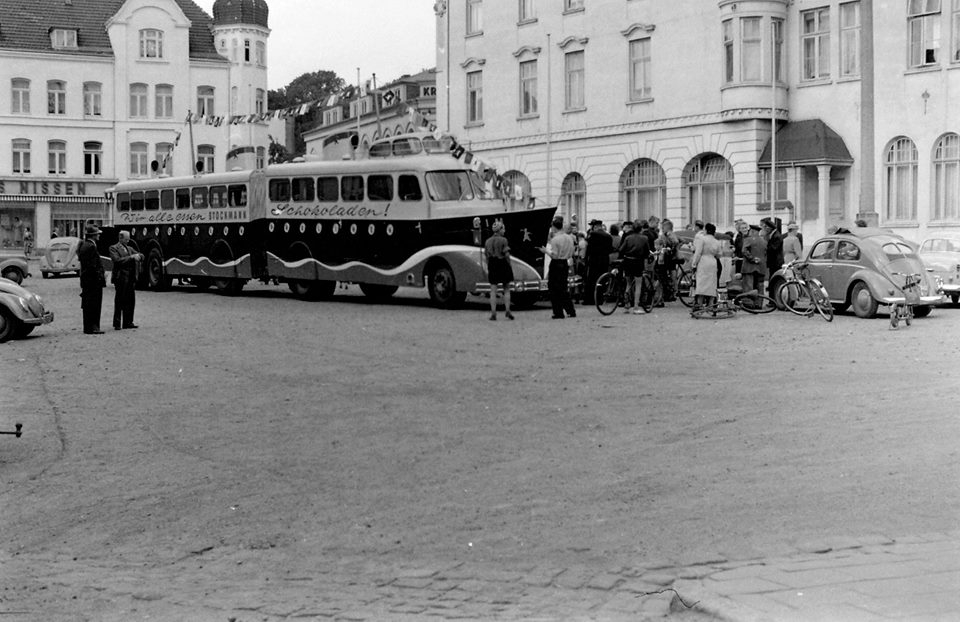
(612, 290)
(684, 285)
(751, 301)
(911, 296)
(803, 294)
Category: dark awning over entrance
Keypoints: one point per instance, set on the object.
(807, 143)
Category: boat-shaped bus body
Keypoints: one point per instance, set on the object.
(382, 223)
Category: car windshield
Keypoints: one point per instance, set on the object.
(941, 246)
(456, 186)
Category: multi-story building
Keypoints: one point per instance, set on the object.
(371, 115)
(93, 92)
(618, 109)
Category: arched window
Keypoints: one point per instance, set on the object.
(573, 199)
(21, 155)
(643, 191)
(164, 153)
(56, 97)
(151, 43)
(946, 178)
(92, 99)
(708, 186)
(92, 158)
(516, 188)
(900, 180)
(20, 96)
(138, 100)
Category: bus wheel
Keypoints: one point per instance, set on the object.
(378, 292)
(442, 286)
(156, 279)
(300, 289)
(200, 282)
(322, 290)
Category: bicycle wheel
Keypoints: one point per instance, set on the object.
(714, 312)
(647, 293)
(820, 300)
(685, 287)
(755, 303)
(607, 293)
(795, 298)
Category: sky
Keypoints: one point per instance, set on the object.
(388, 38)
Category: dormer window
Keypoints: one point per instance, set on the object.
(151, 43)
(63, 38)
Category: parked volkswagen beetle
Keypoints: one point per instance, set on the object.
(857, 266)
(20, 311)
(14, 267)
(60, 257)
(941, 254)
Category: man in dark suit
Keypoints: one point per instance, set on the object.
(92, 280)
(126, 269)
(599, 247)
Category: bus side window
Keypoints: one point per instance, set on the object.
(218, 196)
(237, 196)
(328, 189)
(351, 187)
(199, 198)
(123, 201)
(380, 188)
(166, 199)
(279, 189)
(152, 199)
(183, 198)
(408, 188)
(136, 201)
(302, 189)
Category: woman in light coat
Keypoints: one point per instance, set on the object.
(706, 255)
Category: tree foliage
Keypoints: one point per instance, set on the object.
(308, 87)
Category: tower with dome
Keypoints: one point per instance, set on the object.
(240, 31)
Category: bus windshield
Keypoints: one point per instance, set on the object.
(456, 186)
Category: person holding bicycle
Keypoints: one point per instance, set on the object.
(634, 252)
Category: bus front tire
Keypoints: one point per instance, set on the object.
(312, 290)
(442, 285)
(156, 279)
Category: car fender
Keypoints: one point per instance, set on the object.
(17, 263)
(878, 285)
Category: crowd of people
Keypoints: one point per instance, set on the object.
(752, 254)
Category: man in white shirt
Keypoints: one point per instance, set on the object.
(560, 250)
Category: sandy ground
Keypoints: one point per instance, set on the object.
(233, 451)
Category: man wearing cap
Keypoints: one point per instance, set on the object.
(92, 280)
(126, 269)
(771, 232)
(597, 255)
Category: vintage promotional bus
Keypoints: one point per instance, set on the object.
(382, 223)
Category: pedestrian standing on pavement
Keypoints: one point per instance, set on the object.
(126, 270)
(615, 234)
(560, 250)
(667, 243)
(634, 252)
(706, 259)
(92, 280)
(792, 246)
(498, 268)
(774, 246)
(597, 256)
(754, 266)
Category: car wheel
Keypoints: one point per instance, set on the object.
(442, 285)
(14, 275)
(8, 324)
(45, 275)
(922, 311)
(23, 330)
(955, 298)
(862, 301)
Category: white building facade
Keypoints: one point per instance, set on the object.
(619, 109)
(93, 92)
